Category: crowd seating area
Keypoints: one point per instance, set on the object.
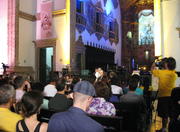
(128, 117)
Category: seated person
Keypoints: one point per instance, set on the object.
(134, 104)
(30, 107)
(60, 102)
(75, 119)
(50, 89)
(21, 86)
(8, 118)
(37, 86)
(116, 90)
(139, 90)
(99, 105)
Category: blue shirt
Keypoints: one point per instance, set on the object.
(73, 120)
(139, 91)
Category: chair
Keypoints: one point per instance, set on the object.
(110, 123)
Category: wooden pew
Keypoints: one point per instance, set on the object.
(110, 123)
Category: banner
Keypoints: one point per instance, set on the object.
(46, 19)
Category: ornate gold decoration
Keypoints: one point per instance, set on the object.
(27, 16)
(59, 12)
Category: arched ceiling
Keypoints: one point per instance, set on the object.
(138, 5)
(131, 8)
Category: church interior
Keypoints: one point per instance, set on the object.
(39, 37)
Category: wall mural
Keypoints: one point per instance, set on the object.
(97, 19)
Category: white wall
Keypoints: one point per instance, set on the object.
(26, 46)
(59, 4)
(170, 21)
(27, 32)
(28, 6)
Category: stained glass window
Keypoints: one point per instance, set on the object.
(146, 27)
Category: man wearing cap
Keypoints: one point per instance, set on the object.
(75, 119)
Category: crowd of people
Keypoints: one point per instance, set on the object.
(74, 98)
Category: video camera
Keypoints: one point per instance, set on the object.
(160, 63)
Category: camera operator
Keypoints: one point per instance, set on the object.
(165, 71)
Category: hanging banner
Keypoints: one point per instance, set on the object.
(46, 19)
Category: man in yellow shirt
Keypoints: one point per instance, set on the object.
(8, 119)
(167, 78)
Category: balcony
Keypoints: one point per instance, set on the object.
(80, 19)
(99, 28)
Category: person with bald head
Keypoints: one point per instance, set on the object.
(76, 119)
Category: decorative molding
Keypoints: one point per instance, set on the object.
(26, 16)
(164, 0)
(45, 42)
(30, 17)
(59, 12)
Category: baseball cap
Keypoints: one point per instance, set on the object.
(85, 87)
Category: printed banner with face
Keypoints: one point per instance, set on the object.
(46, 19)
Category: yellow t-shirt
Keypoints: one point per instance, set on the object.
(167, 79)
(8, 120)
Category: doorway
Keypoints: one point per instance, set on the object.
(45, 63)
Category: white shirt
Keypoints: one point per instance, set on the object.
(50, 90)
(116, 89)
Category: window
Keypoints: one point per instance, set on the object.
(79, 6)
(98, 18)
(110, 26)
(146, 27)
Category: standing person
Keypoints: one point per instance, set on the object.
(8, 119)
(101, 75)
(167, 78)
(30, 107)
(75, 119)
